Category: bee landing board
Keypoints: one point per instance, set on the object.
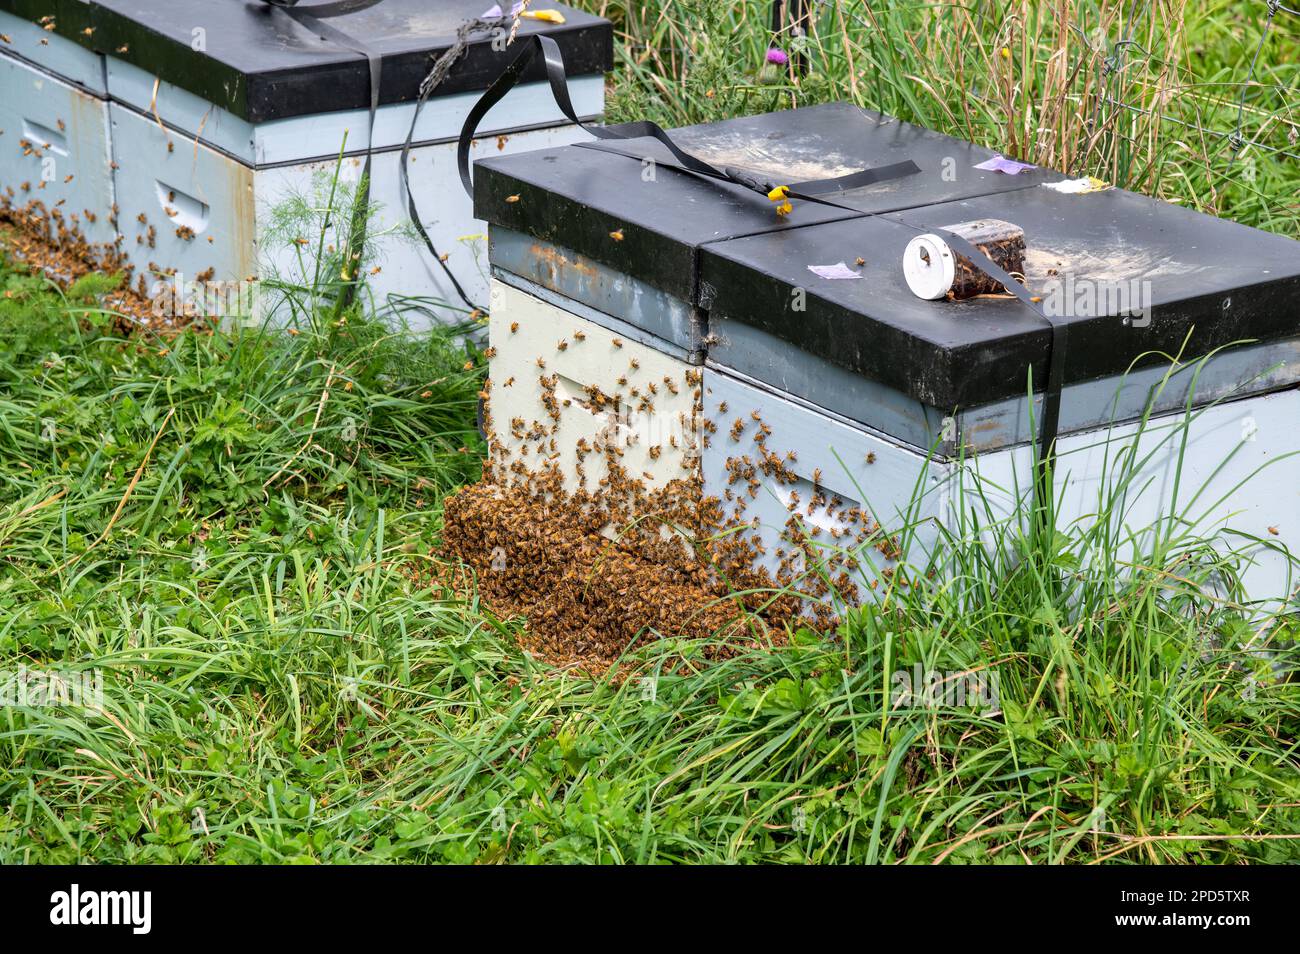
(214, 115)
(839, 410)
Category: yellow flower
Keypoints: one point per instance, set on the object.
(1006, 53)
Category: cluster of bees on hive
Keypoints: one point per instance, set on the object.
(52, 240)
(599, 559)
(49, 237)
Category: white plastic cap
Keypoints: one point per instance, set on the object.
(929, 266)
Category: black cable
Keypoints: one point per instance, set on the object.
(312, 21)
(431, 82)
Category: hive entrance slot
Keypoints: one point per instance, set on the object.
(614, 417)
(45, 137)
(183, 209)
(817, 508)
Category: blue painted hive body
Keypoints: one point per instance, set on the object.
(173, 130)
(849, 411)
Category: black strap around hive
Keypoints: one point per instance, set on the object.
(681, 160)
(1050, 418)
(312, 21)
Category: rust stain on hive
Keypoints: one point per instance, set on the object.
(557, 262)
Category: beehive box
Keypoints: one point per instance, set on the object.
(55, 152)
(851, 413)
(218, 113)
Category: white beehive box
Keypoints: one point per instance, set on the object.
(902, 421)
(213, 116)
(561, 381)
(54, 145)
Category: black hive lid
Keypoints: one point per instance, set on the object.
(1216, 280)
(260, 64)
(575, 196)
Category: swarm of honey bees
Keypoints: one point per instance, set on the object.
(50, 240)
(599, 557)
(49, 237)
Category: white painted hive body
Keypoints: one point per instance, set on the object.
(196, 187)
(839, 410)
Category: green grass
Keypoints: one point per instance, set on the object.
(237, 531)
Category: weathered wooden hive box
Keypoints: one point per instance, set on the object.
(194, 119)
(682, 319)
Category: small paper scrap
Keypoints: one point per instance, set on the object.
(1001, 164)
(836, 271)
(1078, 186)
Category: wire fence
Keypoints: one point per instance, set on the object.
(1237, 138)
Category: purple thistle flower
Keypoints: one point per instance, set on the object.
(777, 56)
